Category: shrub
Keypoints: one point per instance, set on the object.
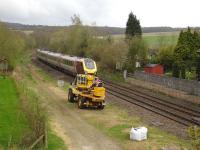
(194, 134)
(11, 45)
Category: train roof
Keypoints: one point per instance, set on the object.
(67, 57)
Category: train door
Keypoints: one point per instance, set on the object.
(79, 68)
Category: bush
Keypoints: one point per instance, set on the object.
(34, 112)
(166, 57)
(11, 46)
(137, 53)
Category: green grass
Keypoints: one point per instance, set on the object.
(45, 76)
(116, 123)
(117, 131)
(48, 78)
(12, 120)
(157, 41)
(111, 76)
(54, 142)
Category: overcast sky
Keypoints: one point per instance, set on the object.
(174, 13)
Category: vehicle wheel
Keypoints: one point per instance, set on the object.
(80, 103)
(101, 107)
(70, 96)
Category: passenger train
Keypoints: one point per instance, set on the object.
(71, 64)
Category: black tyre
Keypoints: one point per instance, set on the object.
(80, 103)
(70, 96)
(101, 107)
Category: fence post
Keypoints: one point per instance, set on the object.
(46, 137)
(125, 74)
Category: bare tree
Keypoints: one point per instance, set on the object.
(76, 19)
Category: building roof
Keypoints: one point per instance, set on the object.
(151, 65)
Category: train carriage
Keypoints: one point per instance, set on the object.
(72, 64)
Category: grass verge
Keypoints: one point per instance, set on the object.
(116, 123)
(13, 122)
(54, 142)
(34, 109)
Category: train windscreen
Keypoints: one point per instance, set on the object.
(89, 63)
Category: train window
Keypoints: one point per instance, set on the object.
(67, 62)
(89, 63)
(79, 68)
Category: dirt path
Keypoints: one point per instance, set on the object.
(77, 133)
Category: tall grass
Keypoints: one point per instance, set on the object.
(35, 113)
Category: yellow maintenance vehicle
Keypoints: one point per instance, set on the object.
(86, 89)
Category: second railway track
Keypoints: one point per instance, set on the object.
(185, 115)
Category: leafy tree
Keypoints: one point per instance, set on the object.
(137, 47)
(137, 53)
(133, 27)
(42, 38)
(73, 40)
(175, 70)
(185, 52)
(166, 57)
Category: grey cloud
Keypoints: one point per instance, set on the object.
(103, 12)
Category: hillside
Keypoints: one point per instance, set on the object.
(98, 29)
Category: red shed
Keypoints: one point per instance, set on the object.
(154, 69)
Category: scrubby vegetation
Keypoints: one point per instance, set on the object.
(35, 112)
(11, 45)
(194, 134)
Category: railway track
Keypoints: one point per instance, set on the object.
(185, 115)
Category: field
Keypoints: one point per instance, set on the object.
(155, 40)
